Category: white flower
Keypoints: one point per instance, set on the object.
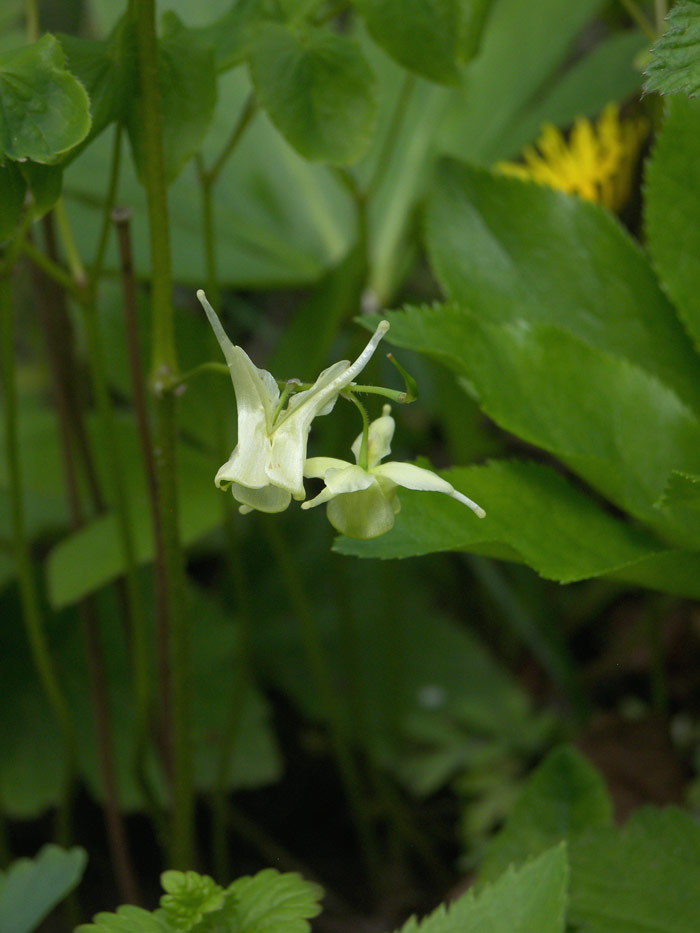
(266, 467)
(362, 503)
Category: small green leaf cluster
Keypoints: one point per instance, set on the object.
(195, 903)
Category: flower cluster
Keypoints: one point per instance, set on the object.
(268, 465)
(597, 162)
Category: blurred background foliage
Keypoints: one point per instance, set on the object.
(453, 673)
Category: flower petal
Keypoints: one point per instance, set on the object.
(364, 514)
(267, 499)
(411, 476)
(317, 467)
(340, 482)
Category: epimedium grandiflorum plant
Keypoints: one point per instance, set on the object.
(354, 101)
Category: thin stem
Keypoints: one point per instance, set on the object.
(249, 110)
(363, 459)
(54, 271)
(208, 367)
(660, 12)
(31, 612)
(31, 8)
(122, 218)
(138, 625)
(323, 680)
(164, 370)
(77, 269)
(103, 239)
(640, 18)
(243, 675)
(55, 324)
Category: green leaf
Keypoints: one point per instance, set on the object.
(45, 110)
(563, 798)
(31, 888)
(127, 919)
(188, 898)
(529, 900)
(675, 65)
(508, 250)
(671, 204)
(520, 499)
(12, 191)
(422, 35)
(231, 34)
(273, 901)
(643, 877)
(188, 96)
(108, 70)
(577, 402)
(318, 90)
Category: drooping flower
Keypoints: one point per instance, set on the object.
(266, 467)
(362, 503)
(596, 163)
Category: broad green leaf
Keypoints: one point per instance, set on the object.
(642, 877)
(230, 35)
(318, 90)
(108, 71)
(611, 422)
(520, 499)
(675, 65)
(188, 898)
(562, 799)
(188, 96)
(422, 35)
(45, 110)
(12, 190)
(672, 199)
(508, 250)
(532, 899)
(273, 901)
(31, 888)
(127, 919)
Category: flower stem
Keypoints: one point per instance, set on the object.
(103, 239)
(122, 219)
(323, 680)
(363, 459)
(250, 108)
(77, 270)
(138, 624)
(56, 326)
(164, 371)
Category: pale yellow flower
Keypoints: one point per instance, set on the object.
(597, 161)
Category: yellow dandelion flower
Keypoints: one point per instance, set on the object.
(597, 162)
